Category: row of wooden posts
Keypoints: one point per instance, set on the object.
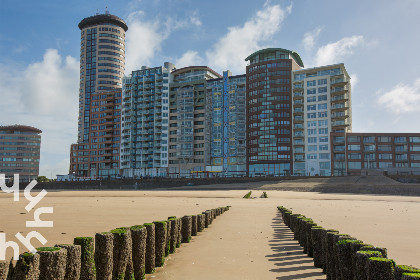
(121, 254)
(343, 257)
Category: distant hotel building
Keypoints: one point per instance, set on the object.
(102, 62)
(145, 119)
(20, 151)
(361, 153)
(225, 137)
(321, 105)
(187, 111)
(269, 111)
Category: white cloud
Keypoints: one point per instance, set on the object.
(240, 41)
(334, 52)
(354, 79)
(144, 37)
(402, 98)
(189, 58)
(310, 38)
(44, 94)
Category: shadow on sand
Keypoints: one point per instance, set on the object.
(288, 255)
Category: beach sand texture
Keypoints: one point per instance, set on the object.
(248, 242)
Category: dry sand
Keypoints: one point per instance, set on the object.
(247, 242)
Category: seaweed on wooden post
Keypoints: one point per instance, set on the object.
(410, 276)
(329, 252)
(186, 229)
(401, 269)
(317, 236)
(160, 242)
(194, 228)
(380, 269)
(27, 267)
(361, 263)
(104, 255)
(122, 254)
(383, 251)
(74, 256)
(139, 237)
(88, 268)
(150, 248)
(52, 263)
(173, 239)
(179, 234)
(207, 219)
(346, 249)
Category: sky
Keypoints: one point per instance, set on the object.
(377, 41)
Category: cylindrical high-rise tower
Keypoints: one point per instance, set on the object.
(102, 62)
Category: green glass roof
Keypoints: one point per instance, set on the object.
(294, 54)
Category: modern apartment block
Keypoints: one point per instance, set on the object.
(144, 120)
(102, 63)
(225, 126)
(321, 105)
(99, 158)
(269, 111)
(20, 152)
(364, 153)
(187, 101)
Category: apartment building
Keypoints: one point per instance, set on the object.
(269, 111)
(102, 64)
(321, 105)
(20, 152)
(364, 153)
(100, 157)
(144, 120)
(225, 126)
(187, 102)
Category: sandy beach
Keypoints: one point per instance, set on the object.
(247, 242)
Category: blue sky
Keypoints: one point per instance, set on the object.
(376, 40)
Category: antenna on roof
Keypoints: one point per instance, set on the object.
(106, 10)
(97, 11)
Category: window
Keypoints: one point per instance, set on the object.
(354, 165)
(354, 156)
(415, 139)
(400, 139)
(322, 98)
(324, 156)
(414, 148)
(322, 90)
(385, 156)
(312, 148)
(322, 82)
(312, 131)
(324, 165)
(323, 131)
(311, 156)
(311, 115)
(368, 139)
(353, 147)
(323, 123)
(353, 138)
(311, 107)
(384, 139)
(322, 114)
(311, 99)
(323, 139)
(311, 91)
(322, 106)
(370, 148)
(384, 148)
(323, 147)
(311, 123)
(312, 139)
(384, 164)
(311, 83)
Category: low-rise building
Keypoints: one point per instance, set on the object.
(20, 152)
